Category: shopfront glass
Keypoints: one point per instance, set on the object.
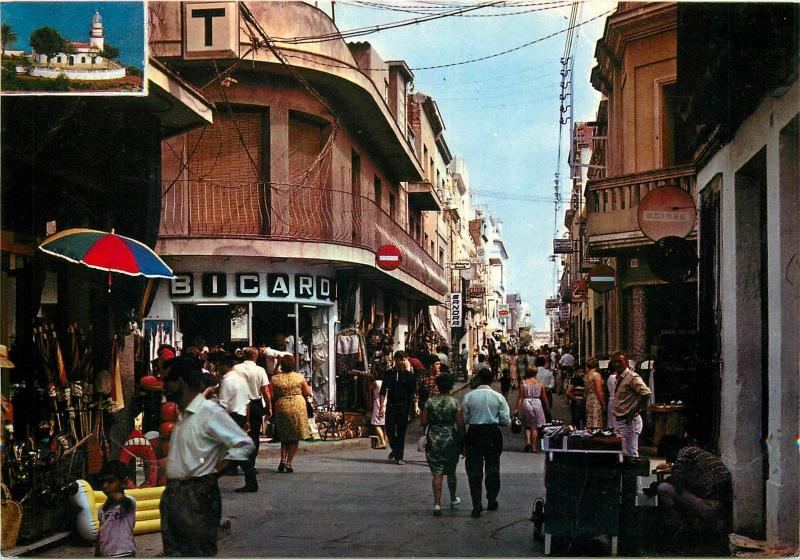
(299, 328)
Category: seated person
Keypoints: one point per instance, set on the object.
(697, 494)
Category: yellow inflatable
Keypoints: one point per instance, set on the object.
(148, 515)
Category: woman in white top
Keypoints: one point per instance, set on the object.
(378, 419)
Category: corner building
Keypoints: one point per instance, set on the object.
(272, 216)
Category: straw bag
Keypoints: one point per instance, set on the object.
(11, 512)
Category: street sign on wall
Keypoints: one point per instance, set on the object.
(388, 257)
(476, 291)
(456, 311)
(551, 303)
(461, 265)
(563, 246)
(601, 278)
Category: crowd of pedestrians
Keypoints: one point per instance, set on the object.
(224, 400)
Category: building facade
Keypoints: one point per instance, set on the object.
(744, 140)
(273, 217)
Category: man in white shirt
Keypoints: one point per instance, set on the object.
(545, 376)
(484, 411)
(204, 439)
(258, 387)
(234, 397)
(566, 367)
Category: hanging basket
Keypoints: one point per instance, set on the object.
(11, 519)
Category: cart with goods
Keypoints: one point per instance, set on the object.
(589, 487)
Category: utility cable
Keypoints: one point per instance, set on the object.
(462, 62)
(368, 30)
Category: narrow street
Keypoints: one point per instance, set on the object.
(358, 504)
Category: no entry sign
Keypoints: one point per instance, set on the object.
(667, 211)
(601, 278)
(388, 258)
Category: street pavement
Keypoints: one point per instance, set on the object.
(357, 504)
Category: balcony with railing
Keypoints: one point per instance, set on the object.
(258, 211)
(613, 203)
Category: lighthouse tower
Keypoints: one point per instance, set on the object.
(96, 31)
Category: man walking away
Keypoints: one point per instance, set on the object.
(567, 366)
(464, 362)
(484, 412)
(234, 397)
(631, 395)
(204, 438)
(401, 385)
(257, 387)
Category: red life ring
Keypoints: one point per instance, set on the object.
(138, 447)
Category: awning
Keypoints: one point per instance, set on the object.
(437, 323)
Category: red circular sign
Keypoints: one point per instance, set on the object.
(601, 278)
(388, 257)
(667, 211)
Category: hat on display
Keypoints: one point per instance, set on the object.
(5, 362)
(167, 353)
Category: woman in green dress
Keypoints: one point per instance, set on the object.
(445, 422)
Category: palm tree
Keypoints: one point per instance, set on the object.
(7, 37)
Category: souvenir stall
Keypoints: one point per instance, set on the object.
(69, 402)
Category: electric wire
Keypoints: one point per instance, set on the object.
(461, 62)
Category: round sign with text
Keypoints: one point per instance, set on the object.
(388, 258)
(667, 211)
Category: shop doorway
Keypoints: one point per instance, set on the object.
(273, 323)
(210, 323)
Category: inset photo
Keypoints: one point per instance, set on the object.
(73, 48)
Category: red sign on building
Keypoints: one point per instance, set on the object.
(388, 258)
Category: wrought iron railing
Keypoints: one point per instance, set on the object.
(198, 208)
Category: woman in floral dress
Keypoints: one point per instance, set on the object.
(595, 396)
(289, 392)
(442, 416)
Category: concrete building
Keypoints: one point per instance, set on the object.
(638, 150)
(743, 130)
(273, 216)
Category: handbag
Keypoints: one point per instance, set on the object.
(422, 443)
(516, 424)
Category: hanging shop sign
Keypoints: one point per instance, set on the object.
(211, 30)
(476, 291)
(551, 303)
(503, 310)
(388, 257)
(563, 246)
(456, 310)
(579, 293)
(252, 286)
(667, 211)
(461, 265)
(601, 278)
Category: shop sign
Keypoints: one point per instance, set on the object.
(563, 246)
(601, 278)
(388, 257)
(461, 265)
(579, 293)
(476, 291)
(456, 311)
(551, 303)
(503, 310)
(211, 30)
(667, 211)
(254, 285)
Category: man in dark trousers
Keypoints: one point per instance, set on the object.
(401, 384)
(484, 412)
(204, 439)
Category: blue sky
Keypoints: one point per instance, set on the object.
(123, 23)
(501, 115)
